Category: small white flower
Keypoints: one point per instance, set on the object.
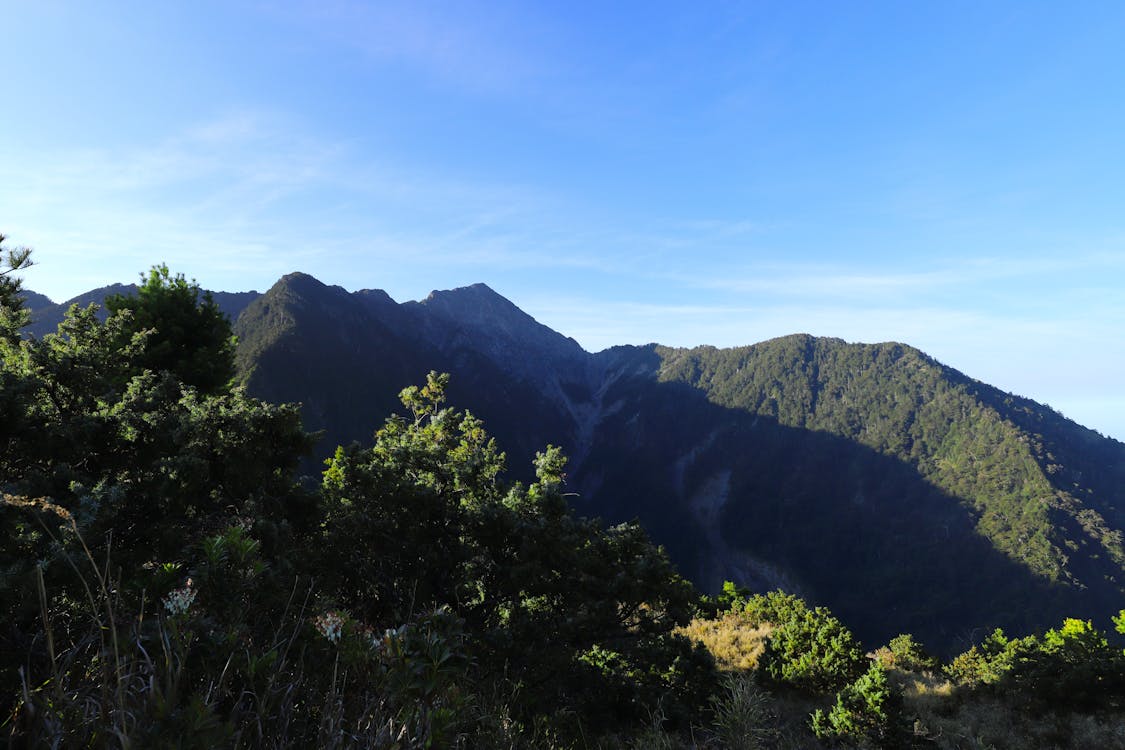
(179, 600)
(330, 625)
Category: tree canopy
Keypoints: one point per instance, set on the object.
(12, 261)
(127, 482)
(188, 335)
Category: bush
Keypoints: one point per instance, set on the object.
(868, 711)
(775, 607)
(1071, 668)
(808, 649)
(987, 662)
(904, 653)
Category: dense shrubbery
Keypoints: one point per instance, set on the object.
(869, 711)
(903, 652)
(578, 615)
(166, 574)
(807, 648)
(1060, 689)
(1072, 667)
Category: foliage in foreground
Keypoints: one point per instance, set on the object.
(166, 574)
(869, 711)
(1060, 689)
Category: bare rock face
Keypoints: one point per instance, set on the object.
(475, 318)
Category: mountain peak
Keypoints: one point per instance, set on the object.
(478, 296)
(478, 288)
(301, 282)
(34, 300)
(478, 310)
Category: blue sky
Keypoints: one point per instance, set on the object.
(946, 174)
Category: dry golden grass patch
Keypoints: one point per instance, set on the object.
(732, 639)
(953, 720)
(924, 691)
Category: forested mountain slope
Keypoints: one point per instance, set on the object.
(867, 476)
(1040, 485)
(871, 478)
(345, 357)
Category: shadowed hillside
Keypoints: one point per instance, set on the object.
(868, 477)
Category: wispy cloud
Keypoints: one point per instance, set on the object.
(905, 279)
(196, 196)
(240, 200)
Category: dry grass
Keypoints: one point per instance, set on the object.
(923, 693)
(953, 720)
(733, 640)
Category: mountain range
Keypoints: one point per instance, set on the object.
(871, 478)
